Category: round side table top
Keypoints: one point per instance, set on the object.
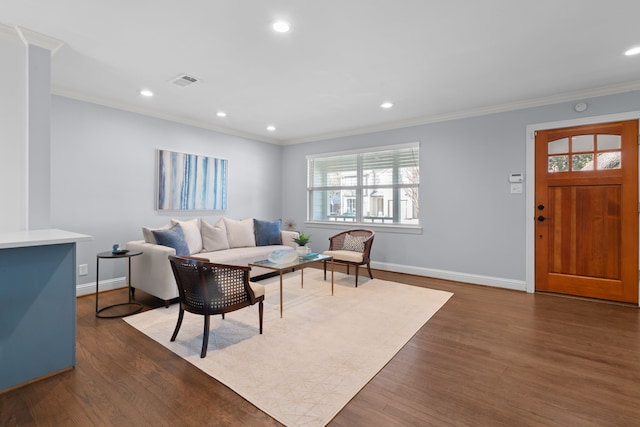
(120, 254)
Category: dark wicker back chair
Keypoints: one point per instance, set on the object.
(351, 247)
(206, 288)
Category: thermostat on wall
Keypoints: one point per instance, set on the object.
(516, 177)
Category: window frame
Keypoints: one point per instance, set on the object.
(360, 189)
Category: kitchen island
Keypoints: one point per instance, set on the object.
(37, 304)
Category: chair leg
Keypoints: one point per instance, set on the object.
(325, 270)
(357, 269)
(205, 337)
(369, 268)
(260, 311)
(180, 317)
(347, 269)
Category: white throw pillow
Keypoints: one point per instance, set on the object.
(214, 237)
(240, 233)
(148, 235)
(191, 230)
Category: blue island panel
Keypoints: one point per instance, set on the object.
(37, 312)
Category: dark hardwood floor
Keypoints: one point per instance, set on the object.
(489, 357)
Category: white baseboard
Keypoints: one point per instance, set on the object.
(105, 285)
(518, 285)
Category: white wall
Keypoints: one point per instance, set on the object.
(103, 175)
(474, 229)
(13, 132)
(39, 138)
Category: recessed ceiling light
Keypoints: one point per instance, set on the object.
(146, 92)
(271, 128)
(221, 114)
(281, 26)
(633, 51)
(386, 105)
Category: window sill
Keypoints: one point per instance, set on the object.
(333, 225)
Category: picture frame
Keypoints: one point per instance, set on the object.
(188, 182)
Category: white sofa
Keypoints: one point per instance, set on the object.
(227, 242)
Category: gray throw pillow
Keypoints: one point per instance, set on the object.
(267, 232)
(173, 238)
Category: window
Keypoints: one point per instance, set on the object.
(580, 153)
(375, 187)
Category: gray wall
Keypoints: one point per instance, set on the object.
(103, 178)
(473, 227)
(103, 175)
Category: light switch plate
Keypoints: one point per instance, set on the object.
(516, 188)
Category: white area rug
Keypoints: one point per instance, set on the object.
(306, 366)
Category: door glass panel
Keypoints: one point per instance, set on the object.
(582, 162)
(582, 143)
(609, 160)
(609, 142)
(559, 146)
(558, 163)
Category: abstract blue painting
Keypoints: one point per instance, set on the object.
(191, 182)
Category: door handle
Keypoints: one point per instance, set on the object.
(542, 218)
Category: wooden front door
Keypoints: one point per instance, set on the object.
(586, 211)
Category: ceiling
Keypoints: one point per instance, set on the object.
(434, 60)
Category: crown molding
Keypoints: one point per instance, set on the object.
(9, 32)
(500, 108)
(152, 113)
(30, 37)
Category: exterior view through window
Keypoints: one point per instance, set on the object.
(377, 186)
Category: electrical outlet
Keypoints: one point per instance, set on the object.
(82, 269)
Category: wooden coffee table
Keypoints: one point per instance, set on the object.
(300, 263)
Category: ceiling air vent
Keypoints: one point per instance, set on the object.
(184, 80)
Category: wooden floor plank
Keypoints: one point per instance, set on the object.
(488, 357)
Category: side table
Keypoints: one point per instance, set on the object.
(134, 306)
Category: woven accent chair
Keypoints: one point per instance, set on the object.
(206, 288)
(351, 247)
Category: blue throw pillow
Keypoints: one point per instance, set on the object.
(173, 238)
(267, 232)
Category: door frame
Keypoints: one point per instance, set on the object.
(530, 283)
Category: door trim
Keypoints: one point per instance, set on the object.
(530, 179)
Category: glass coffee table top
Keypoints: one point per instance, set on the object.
(300, 262)
(295, 263)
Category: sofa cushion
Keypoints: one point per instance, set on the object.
(191, 230)
(242, 256)
(240, 233)
(173, 238)
(148, 235)
(267, 232)
(214, 237)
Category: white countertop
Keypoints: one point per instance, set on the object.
(20, 239)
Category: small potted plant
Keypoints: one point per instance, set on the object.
(302, 241)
